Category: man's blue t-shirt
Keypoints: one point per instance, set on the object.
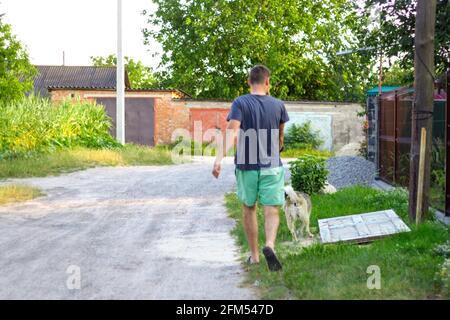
(258, 141)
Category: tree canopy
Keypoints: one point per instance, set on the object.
(398, 76)
(209, 46)
(395, 28)
(140, 75)
(16, 71)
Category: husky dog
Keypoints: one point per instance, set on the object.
(297, 207)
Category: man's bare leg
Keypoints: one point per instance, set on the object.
(272, 221)
(251, 231)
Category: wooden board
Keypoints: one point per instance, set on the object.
(361, 228)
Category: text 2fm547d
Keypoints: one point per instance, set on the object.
(232, 309)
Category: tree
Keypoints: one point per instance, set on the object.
(16, 71)
(209, 46)
(394, 27)
(398, 76)
(140, 76)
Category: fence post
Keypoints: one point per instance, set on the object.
(447, 149)
(394, 177)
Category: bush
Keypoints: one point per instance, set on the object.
(36, 125)
(438, 163)
(302, 136)
(443, 250)
(444, 276)
(437, 191)
(308, 174)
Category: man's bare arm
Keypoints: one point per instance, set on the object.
(227, 143)
(281, 136)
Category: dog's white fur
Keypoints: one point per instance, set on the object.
(328, 188)
(297, 207)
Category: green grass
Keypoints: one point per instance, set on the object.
(296, 153)
(18, 193)
(69, 160)
(407, 261)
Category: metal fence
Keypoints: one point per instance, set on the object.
(394, 141)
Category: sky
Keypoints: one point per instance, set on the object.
(80, 28)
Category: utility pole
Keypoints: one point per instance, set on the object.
(380, 75)
(422, 110)
(120, 80)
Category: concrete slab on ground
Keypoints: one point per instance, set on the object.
(360, 228)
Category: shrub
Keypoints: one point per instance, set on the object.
(363, 146)
(36, 125)
(443, 250)
(437, 191)
(302, 136)
(438, 163)
(308, 174)
(444, 276)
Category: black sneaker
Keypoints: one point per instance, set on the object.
(272, 261)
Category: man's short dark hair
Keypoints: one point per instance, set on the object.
(259, 74)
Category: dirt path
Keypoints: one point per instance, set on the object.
(134, 233)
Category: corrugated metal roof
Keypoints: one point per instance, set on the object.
(74, 77)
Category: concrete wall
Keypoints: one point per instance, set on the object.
(338, 123)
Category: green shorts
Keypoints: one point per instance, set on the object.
(265, 186)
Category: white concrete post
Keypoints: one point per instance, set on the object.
(120, 87)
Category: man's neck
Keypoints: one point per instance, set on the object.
(259, 92)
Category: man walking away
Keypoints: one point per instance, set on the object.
(259, 119)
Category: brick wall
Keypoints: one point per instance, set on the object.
(209, 118)
(62, 94)
(169, 116)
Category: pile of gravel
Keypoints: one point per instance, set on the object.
(350, 170)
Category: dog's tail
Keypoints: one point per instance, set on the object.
(290, 192)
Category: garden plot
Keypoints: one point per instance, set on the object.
(361, 228)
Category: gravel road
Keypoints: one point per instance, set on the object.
(130, 233)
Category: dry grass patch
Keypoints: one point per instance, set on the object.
(18, 193)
